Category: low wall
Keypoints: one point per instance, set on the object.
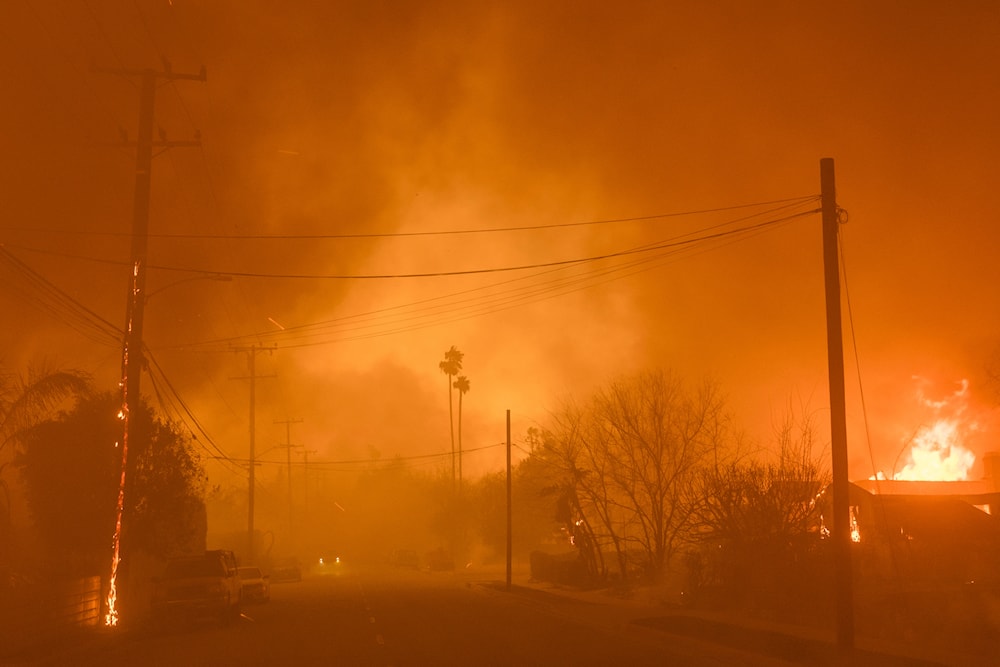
(34, 612)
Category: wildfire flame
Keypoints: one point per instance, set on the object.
(111, 618)
(938, 455)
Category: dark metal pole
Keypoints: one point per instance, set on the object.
(510, 523)
(843, 577)
(252, 362)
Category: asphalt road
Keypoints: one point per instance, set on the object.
(404, 617)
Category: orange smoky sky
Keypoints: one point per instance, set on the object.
(338, 139)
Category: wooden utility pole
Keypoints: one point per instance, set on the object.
(132, 353)
(288, 451)
(510, 511)
(843, 576)
(305, 475)
(135, 307)
(252, 367)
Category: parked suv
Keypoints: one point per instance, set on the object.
(197, 587)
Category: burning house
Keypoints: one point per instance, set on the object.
(933, 532)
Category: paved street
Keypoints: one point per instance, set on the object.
(404, 617)
(387, 617)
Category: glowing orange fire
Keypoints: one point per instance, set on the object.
(111, 618)
(938, 455)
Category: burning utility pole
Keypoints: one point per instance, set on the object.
(132, 355)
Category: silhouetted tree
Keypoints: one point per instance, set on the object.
(451, 366)
(577, 487)
(24, 401)
(71, 466)
(631, 454)
(758, 518)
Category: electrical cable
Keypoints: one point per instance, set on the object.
(881, 516)
(421, 314)
(212, 446)
(54, 301)
(431, 274)
(60, 305)
(384, 235)
(354, 462)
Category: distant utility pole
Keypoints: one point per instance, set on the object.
(843, 577)
(510, 511)
(252, 352)
(132, 355)
(288, 451)
(305, 475)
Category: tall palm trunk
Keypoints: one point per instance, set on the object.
(460, 393)
(451, 366)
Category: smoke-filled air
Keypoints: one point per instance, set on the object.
(366, 231)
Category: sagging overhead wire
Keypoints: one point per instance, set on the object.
(352, 464)
(439, 232)
(52, 300)
(179, 407)
(550, 283)
(678, 241)
(46, 297)
(555, 281)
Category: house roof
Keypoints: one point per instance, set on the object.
(929, 517)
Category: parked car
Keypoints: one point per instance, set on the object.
(440, 560)
(199, 587)
(405, 558)
(228, 557)
(256, 586)
(286, 571)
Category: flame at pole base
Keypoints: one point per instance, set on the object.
(111, 618)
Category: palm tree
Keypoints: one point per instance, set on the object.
(462, 384)
(451, 366)
(24, 402)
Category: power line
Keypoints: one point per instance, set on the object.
(51, 300)
(452, 232)
(431, 274)
(416, 457)
(460, 305)
(158, 376)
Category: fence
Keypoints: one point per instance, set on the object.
(32, 613)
